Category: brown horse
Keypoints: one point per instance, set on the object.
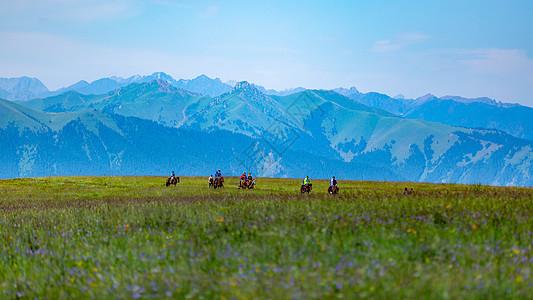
(333, 189)
(247, 184)
(172, 180)
(219, 182)
(306, 188)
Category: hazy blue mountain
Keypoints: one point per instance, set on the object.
(243, 110)
(21, 88)
(515, 119)
(97, 87)
(279, 93)
(393, 105)
(350, 93)
(320, 131)
(91, 142)
(419, 150)
(156, 100)
(106, 85)
(203, 85)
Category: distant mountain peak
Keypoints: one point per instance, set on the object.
(244, 85)
(203, 76)
(347, 92)
(426, 97)
(162, 75)
(244, 89)
(353, 89)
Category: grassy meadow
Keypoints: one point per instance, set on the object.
(132, 237)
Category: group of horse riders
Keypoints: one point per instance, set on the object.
(249, 183)
(246, 182)
(217, 181)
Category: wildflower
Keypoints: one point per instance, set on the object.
(475, 227)
(448, 206)
(408, 230)
(516, 251)
(518, 279)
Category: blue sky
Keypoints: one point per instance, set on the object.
(466, 48)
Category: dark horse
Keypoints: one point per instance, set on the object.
(333, 189)
(172, 180)
(247, 184)
(218, 182)
(306, 188)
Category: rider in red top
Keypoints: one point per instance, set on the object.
(243, 178)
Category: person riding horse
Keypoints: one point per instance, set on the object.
(333, 188)
(306, 186)
(242, 179)
(219, 180)
(173, 179)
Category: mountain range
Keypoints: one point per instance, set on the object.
(513, 119)
(151, 127)
(510, 118)
(25, 88)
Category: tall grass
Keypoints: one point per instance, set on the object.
(129, 237)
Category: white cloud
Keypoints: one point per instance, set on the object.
(400, 41)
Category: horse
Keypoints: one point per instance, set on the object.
(218, 182)
(333, 189)
(247, 184)
(306, 188)
(172, 180)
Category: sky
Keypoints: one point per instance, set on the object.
(444, 47)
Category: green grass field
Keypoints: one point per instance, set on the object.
(130, 237)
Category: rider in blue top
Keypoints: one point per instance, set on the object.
(333, 182)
